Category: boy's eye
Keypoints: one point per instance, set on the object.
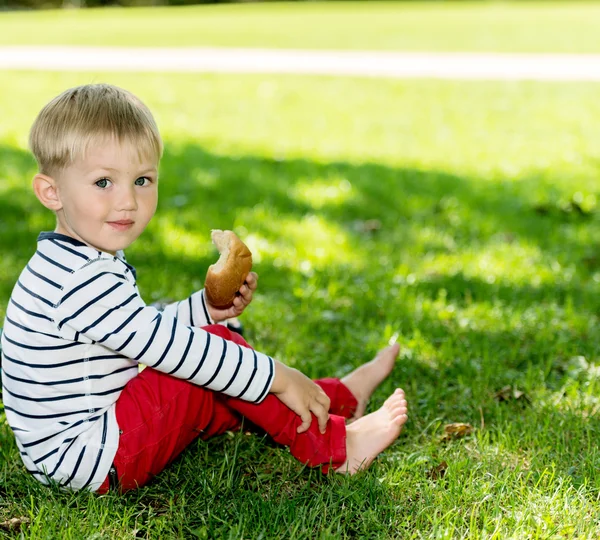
(142, 181)
(102, 183)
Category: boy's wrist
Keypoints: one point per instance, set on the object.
(214, 317)
(217, 319)
(280, 377)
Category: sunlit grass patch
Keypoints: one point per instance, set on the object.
(328, 192)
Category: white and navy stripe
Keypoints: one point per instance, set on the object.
(75, 330)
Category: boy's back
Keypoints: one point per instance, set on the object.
(59, 390)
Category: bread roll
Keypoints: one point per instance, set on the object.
(227, 275)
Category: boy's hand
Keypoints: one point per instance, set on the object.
(240, 302)
(301, 395)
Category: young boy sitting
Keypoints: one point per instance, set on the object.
(76, 329)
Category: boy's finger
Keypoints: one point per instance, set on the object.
(322, 415)
(247, 295)
(306, 421)
(252, 280)
(246, 292)
(325, 401)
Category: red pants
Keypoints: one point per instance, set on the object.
(160, 415)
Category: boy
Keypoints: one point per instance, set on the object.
(76, 329)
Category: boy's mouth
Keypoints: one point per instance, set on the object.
(121, 225)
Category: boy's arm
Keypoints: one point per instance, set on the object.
(192, 311)
(197, 311)
(102, 303)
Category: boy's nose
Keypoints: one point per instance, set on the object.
(127, 200)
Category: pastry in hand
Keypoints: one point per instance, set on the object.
(227, 275)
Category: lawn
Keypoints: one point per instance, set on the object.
(562, 27)
(461, 216)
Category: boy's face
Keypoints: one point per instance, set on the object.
(107, 198)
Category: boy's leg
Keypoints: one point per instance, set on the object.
(158, 417)
(343, 401)
(281, 423)
(348, 450)
(312, 447)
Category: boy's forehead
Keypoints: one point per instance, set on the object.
(111, 154)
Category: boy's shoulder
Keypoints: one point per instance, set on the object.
(72, 253)
(59, 258)
(60, 266)
(64, 250)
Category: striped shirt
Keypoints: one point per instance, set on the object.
(75, 330)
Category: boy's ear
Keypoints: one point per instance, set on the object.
(46, 191)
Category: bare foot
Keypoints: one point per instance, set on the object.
(364, 379)
(371, 434)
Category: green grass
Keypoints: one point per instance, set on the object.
(568, 27)
(483, 257)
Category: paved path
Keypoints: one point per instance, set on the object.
(474, 66)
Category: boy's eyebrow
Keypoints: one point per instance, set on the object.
(149, 169)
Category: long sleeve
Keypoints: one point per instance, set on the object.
(192, 311)
(101, 303)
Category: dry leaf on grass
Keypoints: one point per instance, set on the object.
(438, 471)
(456, 431)
(508, 393)
(13, 524)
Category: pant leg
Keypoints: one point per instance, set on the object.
(158, 417)
(312, 447)
(343, 402)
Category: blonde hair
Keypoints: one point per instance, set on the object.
(86, 115)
